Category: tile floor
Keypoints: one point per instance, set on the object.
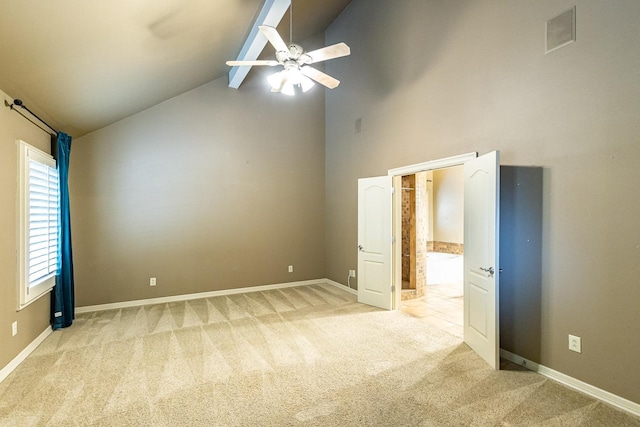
(443, 304)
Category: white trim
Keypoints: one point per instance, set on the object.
(433, 164)
(29, 291)
(11, 366)
(581, 386)
(341, 286)
(186, 297)
(396, 250)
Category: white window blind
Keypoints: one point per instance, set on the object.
(43, 221)
(39, 223)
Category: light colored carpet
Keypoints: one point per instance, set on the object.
(300, 356)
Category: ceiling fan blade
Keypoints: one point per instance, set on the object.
(274, 38)
(330, 52)
(320, 77)
(270, 63)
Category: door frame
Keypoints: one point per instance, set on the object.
(396, 217)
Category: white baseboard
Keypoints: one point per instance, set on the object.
(581, 386)
(341, 286)
(186, 297)
(11, 366)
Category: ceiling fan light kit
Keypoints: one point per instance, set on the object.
(287, 80)
(297, 75)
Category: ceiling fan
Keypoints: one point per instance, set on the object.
(297, 73)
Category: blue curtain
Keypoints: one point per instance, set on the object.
(62, 299)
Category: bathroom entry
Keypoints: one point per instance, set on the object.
(433, 247)
(380, 223)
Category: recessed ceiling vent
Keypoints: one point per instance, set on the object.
(561, 30)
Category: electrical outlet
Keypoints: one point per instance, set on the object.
(152, 281)
(14, 328)
(352, 273)
(291, 269)
(575, 343)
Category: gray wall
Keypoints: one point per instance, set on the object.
(214, 189)
(33, 319)
(431, 79)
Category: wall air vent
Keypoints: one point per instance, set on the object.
(561, 30)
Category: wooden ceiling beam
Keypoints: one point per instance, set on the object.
(271, 15)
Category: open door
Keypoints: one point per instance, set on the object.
(481, 216)
(374, 241)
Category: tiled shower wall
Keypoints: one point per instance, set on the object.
(414, 235)
(407, 182)
(446, 247)
(422, 230)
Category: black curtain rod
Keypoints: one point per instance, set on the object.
(18, 103)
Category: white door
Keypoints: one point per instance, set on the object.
(374, 241)
(481, 215)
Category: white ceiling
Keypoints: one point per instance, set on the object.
(82, 65)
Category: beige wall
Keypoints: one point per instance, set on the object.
(214, 189)
(448, 205)
(431, 79)
(33, 319)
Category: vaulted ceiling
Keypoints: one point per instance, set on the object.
(82, 65)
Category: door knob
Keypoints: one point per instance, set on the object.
(360, 248)
(489, 270)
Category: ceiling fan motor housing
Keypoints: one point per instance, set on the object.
(295, 53)
(295, 50)
(290, 64)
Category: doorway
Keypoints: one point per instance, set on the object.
(380, 257)
(433, 247)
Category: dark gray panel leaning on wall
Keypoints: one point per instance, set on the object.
(521, 260)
